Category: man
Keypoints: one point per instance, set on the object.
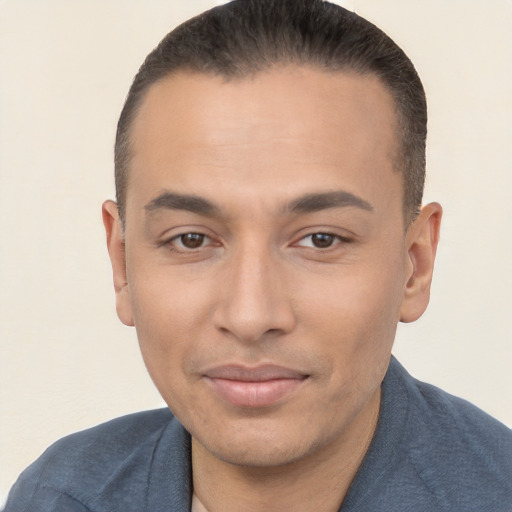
(266, 240)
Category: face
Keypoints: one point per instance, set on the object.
(266, 259)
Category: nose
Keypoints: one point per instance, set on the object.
(254, 303)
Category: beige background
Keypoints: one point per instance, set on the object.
(66, 362)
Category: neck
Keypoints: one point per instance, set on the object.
(317, 482)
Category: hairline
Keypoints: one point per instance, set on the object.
(126, 146)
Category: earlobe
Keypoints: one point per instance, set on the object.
(116, 251)
(422, 240)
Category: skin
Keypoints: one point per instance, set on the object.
(256, 286)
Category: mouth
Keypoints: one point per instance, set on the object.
(258, 387)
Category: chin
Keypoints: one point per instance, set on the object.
(258, 449)
(260, 458)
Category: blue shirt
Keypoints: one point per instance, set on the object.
(431, 452)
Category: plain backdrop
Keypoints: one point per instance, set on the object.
(66, 362)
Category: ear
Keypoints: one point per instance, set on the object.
(116, 251)
(422, 239)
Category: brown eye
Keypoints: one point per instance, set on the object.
(322, 240)
(191, 240)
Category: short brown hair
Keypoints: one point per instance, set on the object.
(247, 36)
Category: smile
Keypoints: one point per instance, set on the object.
(256, 387)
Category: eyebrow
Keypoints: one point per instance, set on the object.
(173, 201)
(307, 203)
(310, 203)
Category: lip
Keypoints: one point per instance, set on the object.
(257, 387)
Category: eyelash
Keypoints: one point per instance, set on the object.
(332, 239)
(170, 243)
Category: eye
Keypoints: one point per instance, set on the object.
(190, 241)
(320, 240)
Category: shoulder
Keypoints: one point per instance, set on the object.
(78, 468)
(453, 420)
(463, 455)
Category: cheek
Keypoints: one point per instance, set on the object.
(168, 315)
(162, 297)
(354, 301)
(355, 316)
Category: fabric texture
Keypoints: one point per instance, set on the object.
(431, 452)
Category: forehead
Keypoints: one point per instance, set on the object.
(305, 93)
(281, 126)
